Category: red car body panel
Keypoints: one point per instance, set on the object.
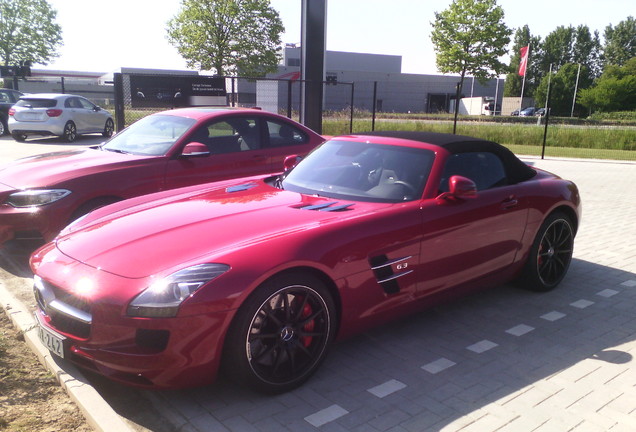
(95, 176)
(260, 231)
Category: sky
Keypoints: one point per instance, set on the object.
(103, 36)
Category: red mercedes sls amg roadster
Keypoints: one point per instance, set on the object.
(259, 275)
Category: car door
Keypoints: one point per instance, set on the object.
(235, 145)
(93, 120)
(467, 239)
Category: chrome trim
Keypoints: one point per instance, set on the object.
(71, 311)
(395, 276)
(390, 263)
(47, 300)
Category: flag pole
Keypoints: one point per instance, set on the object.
(576, 87)
(523, 83)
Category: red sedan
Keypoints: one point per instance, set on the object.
(261, 274)
(40, 195)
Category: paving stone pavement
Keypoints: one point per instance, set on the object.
(502, 360)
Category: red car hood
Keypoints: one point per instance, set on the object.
(148, 239)
(55, 168)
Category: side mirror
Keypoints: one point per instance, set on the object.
(462, 187)
(290, 162)
(459, 188)
(195, 149)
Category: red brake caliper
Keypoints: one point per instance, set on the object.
(309, 327)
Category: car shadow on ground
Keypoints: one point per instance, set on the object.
(16, 262)
(533, 337)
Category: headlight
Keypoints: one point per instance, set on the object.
(163, 298)
(36, 197)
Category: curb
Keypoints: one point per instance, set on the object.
(99, 415)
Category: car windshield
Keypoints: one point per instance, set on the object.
(152, 136)
(362, 171)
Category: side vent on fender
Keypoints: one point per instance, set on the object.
(385, 275)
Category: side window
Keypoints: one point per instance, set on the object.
(484, 168)
(282, 134)
(83, 103)
(4, 97)
(229, 136)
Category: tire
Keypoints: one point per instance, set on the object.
(70, 132)
(19, 137)
(550, 255)
(108, 128)
(281, 333)
(4, 128)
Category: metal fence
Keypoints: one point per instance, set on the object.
(407, 104)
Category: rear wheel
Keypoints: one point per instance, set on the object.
(108, 128)
(550, 254)
(4, 129)
(70, 132)
(281, 333)
(19, 137)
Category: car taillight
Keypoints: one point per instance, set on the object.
(11, 111)
(54, 112)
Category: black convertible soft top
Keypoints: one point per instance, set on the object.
(516, 170)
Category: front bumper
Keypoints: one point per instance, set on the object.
(183, 351)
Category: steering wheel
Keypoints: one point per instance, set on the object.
(408, 186)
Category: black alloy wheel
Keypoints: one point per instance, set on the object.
(551, 254)
(281, 334)
(70, 132)
(108, 128)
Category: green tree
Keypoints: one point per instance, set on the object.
(469, 38)
(514, 81)
(586, 50)
(615, 90)
(28, 32)
(563, 84)
(228, 36)
(556, 49)
(620, 42)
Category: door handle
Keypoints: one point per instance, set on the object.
(509, 203)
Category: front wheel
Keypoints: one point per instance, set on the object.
(281, 333)
(550, 254)
(108, 128)
(70, 132)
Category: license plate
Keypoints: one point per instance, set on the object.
(52, 341)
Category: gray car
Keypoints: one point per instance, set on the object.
(63, 115)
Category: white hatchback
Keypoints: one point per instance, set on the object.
(63, 115)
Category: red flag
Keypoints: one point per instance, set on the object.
(524, 60)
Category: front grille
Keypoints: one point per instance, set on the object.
(69, 313)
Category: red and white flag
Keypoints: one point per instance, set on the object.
(524, 60)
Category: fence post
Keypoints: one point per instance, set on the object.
(351, 120)
(234, 95)
(118, 83)
(375, 98)
(63, 87)
(289, 98)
